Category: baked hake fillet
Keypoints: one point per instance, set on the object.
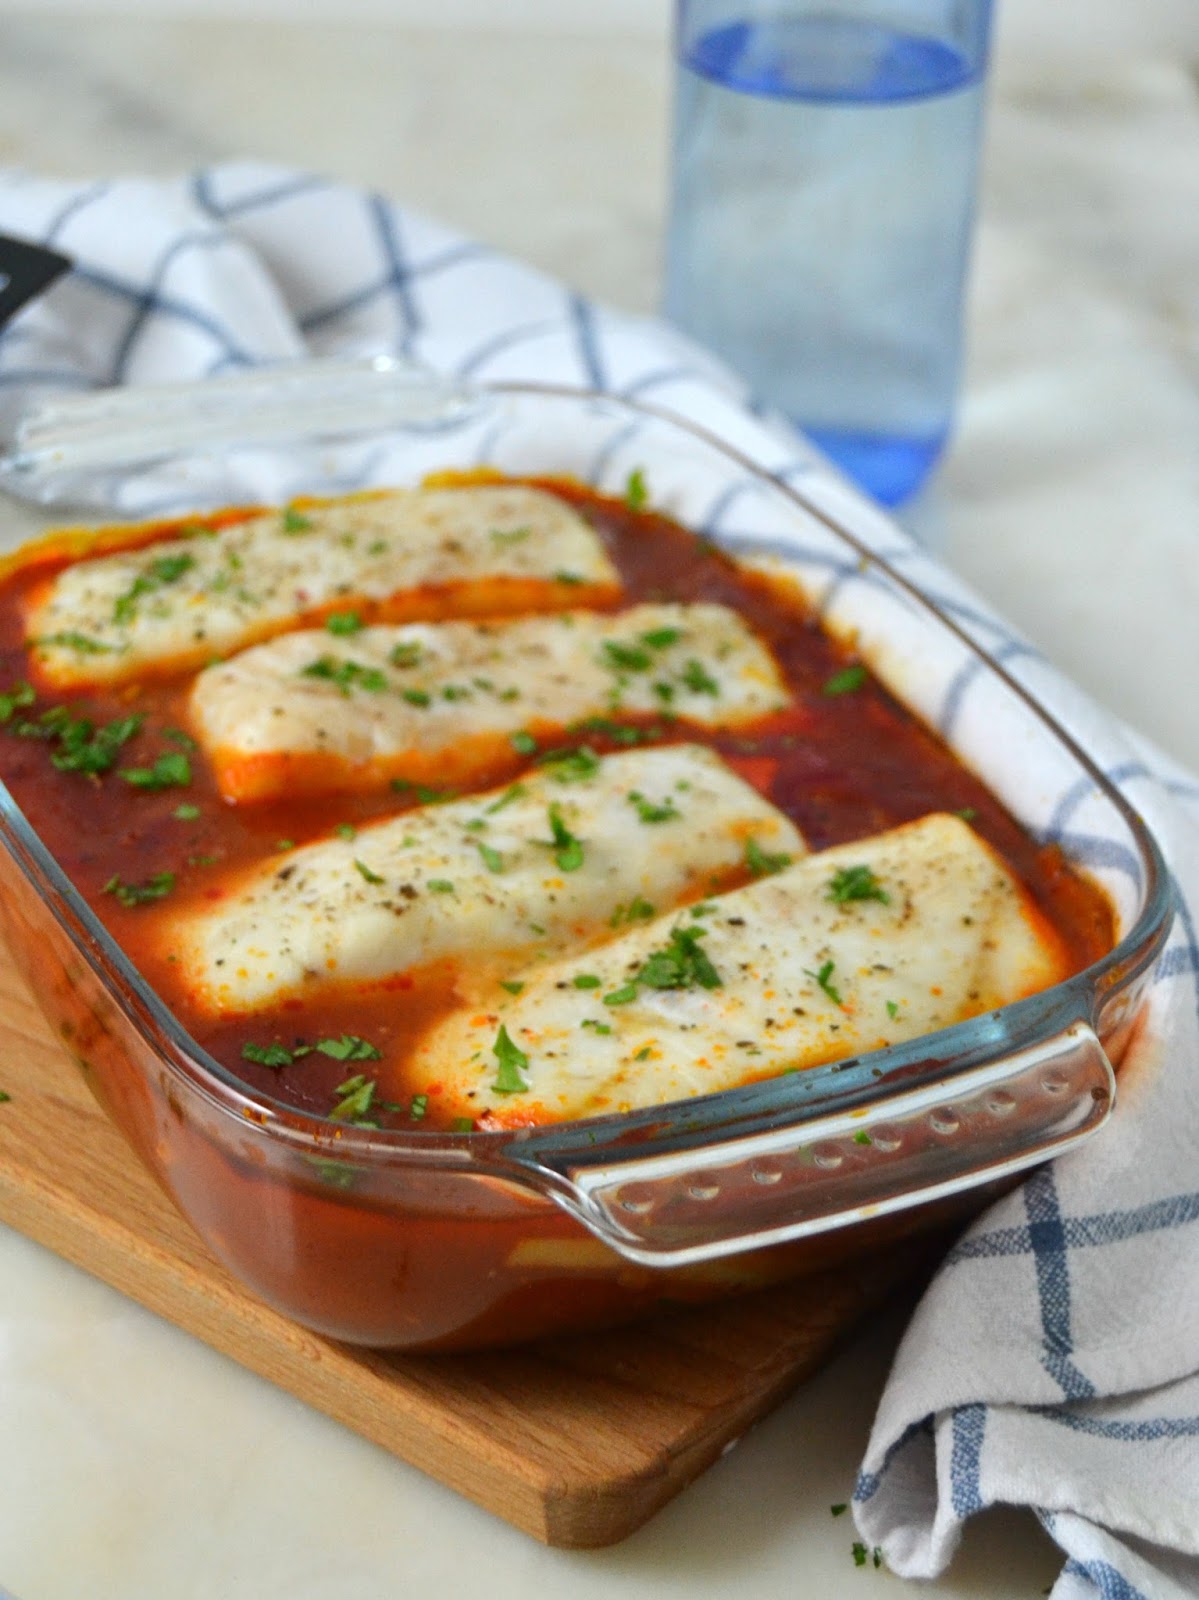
(404, 554)
(848, 950)
(491, 883)
(440, 703)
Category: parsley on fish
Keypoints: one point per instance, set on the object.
(823, 979)
(855, 883)
(511, 1063)
(649, 812)
(346, 675)
(158, 575)
(568, 851)
(295, 521)
(682, 964)
(762, 863)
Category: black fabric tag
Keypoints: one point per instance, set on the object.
(25, 271)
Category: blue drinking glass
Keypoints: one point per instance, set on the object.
(825, 166)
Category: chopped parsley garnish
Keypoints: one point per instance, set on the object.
(598, 1027)
(660, 638)
(425, 795)
(140, 894)
(346, 675)
(622, 996)
(503, 536)
(845, 681)
(644, 1053)
(343, 622)
(346, 830)
(285, 844)
(367, 874)
(861, 1137)
(568, 851)
(682, 964)
(523, 743)
(823, 979)
(512, 1061)
(82, 643)
(406, 654)
(764, 862)
(492, 859)
(187, 812)
(840, 1509)
(82, 747)
(513, 985)
(855, 883)
(637, 910)
(569, 578)
(348, 1047)
(967, 813)
(892, 1009)
(462, 1125)
(171, 771)
(183, 740)
(440, 886)
(160, 573)
(420, 1104)
(513, 792)
(16, 699)
(572, 766)
(698, 679)
(354, 1100)
(267, 1055)
(416, 697)
(295, 521)
(5, 1097)
(636, 490)
(585, 980)
(616, 731)
(626, 657)
(649, 812)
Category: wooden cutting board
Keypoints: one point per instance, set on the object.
(577, 1441)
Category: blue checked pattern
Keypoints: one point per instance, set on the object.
(1057, 1345)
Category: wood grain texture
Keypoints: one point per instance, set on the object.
(577, 1441)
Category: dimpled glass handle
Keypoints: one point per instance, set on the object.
(62, 437)
(904, 1149)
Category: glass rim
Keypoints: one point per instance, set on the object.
(767, 1104)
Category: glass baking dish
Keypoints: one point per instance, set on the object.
(402, 1239)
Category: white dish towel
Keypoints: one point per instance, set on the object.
(1054, 1362)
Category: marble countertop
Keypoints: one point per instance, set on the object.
(135, 1463)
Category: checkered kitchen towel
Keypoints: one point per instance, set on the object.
(1054, 1362)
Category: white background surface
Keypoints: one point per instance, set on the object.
(134, 1463)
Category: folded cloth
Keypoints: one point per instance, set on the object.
(1054, 1362)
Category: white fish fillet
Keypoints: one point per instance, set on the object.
(803, 978)
(474, 551)
(481, 882)
(439, 703)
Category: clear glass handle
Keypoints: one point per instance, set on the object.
(903, 1150)
(61, 440)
